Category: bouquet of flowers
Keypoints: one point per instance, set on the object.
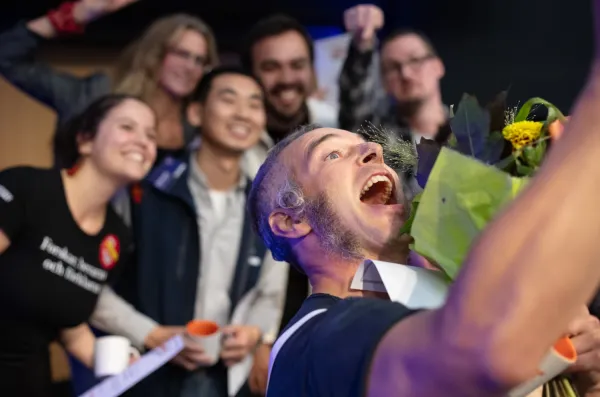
(487, 160)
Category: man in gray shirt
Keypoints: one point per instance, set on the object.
(234, 282)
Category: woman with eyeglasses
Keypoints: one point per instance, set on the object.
(162, 67)
(61, 242)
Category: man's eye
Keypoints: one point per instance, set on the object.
(333, 156)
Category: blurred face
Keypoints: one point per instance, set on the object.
(124, 146)
(363, 195)
(184, 64)
(411, 73)
(283, 66)
(233, 115)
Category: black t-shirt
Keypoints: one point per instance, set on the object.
(330, 355)
(50, 275)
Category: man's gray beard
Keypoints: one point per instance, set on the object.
(334, 237)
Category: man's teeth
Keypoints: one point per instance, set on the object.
(288, 95)
(379, 179)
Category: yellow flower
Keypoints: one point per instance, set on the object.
(522, 133)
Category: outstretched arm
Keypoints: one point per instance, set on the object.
(57, 90)
(525, 278)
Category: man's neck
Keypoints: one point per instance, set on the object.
(428, 117)
(165, 104)
(279, 126)
(335, 277)
(168, 109)
(220, 167)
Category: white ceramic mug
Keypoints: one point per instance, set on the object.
(208, 334)
(112, 355)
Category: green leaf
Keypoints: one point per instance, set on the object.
(524, 170)
(525, 110)
(497, 109)
(505, 163)
(452, 141)
(471, 126)
(413, 213)
(495, 146)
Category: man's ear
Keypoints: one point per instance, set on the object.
(194, 114)
(285, 225)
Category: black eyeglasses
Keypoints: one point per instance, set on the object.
(199, 60)
(413, 64)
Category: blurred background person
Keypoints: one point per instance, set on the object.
(196, 245)
(410, 101)
(163, 66)
(279, 51)
(60, 241)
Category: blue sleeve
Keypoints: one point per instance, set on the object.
(65, 93)
(344, 343)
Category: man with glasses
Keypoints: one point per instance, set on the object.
(410, 74)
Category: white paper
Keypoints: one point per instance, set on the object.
(414, 287)
(148, 363)
(330, 54)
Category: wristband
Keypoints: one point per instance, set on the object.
(63, 21)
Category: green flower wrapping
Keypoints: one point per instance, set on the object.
(467, 182)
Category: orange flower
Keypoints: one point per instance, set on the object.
(557, 128)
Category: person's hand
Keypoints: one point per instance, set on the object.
(363, 21)
(259, 375)
(585, 335)
(86, 11)
(238, 342)
(584, 331)
(192, 356)
(161, 334)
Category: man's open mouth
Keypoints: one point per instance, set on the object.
(379, 190)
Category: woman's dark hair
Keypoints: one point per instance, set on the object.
(84, 125)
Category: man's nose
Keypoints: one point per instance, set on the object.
(370, 152)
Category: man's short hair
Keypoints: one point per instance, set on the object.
(204, 86)
(275, 187)
(274, 25)
(410, 32)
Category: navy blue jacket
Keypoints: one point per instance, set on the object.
(162, 283)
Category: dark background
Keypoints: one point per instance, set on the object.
(538, 48)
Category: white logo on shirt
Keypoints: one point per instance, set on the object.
(76, 270)
(5, 194)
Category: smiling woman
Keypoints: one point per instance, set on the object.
(163, 66)
(60, 241)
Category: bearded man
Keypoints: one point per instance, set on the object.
(324, 201)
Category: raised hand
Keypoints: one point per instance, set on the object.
(88, 10)
(363, 21)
